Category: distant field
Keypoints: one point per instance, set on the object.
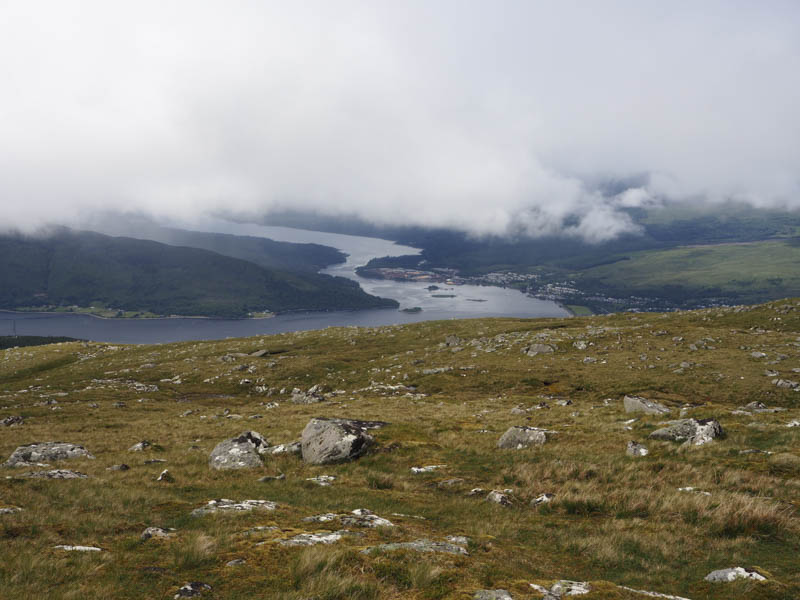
(744, 270)
(579, 311)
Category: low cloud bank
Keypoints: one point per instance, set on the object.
(486, 118)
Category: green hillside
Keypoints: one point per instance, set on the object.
(89, 269)
(748, 272)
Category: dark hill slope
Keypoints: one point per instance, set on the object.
(85, 269)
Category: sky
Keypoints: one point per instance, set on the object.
(491, 117)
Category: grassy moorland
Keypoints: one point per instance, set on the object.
(614, 520)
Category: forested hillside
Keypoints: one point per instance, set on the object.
(84, 269)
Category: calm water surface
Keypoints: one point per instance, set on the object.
(469, 301)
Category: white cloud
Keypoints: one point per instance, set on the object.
(483, 116)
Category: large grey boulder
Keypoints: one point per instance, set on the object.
(639, 404)
(326, 441)
(241, 452)
(521, 436)
(41, 452)
(691, 431)
(535, 349)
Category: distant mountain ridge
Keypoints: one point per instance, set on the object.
(83, 268)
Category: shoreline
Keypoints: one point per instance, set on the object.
(206, 318)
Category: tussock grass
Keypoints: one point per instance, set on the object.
(613, 519)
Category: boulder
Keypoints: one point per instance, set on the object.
(326, 441)
(312, 396)
(636, 449)
(545, 498)
(498, 497)
(521, 436)
(140, 446)
(241, 452)
(361, 517)
(691, 431)
(157, 532)
(45, 451)
(535, 349)
(492, 595)
(639, 404)
(726, 575)
(12, 421)
(192, 590)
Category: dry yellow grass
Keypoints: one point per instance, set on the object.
(614, 520)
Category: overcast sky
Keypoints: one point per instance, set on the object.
(486, 116)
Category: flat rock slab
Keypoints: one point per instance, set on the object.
(492, 595)
(562, 588)
(9, 510)
(40, 452)
(326, 441)
(643, 405)
(68, 548)
(55, 474)
(360, 517)
(192, 589)
(421, 545)
(732, 574)
(224, 505)
(691, 431)
(312, 539)
(241, 452)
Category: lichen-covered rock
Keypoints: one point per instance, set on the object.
(55, 474)
(290, 448)
(157, 532)
(326, 441)
(41, 452)
(241, 452)
(636, 449)
(492, 595)
(498, 497)
(519, 437)
(312, 539)
(535, 349)
(726, 575)
(192, 589)
(361, 517)
(692, 431)
(225, 505)
(639, 404)
(421, 545)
